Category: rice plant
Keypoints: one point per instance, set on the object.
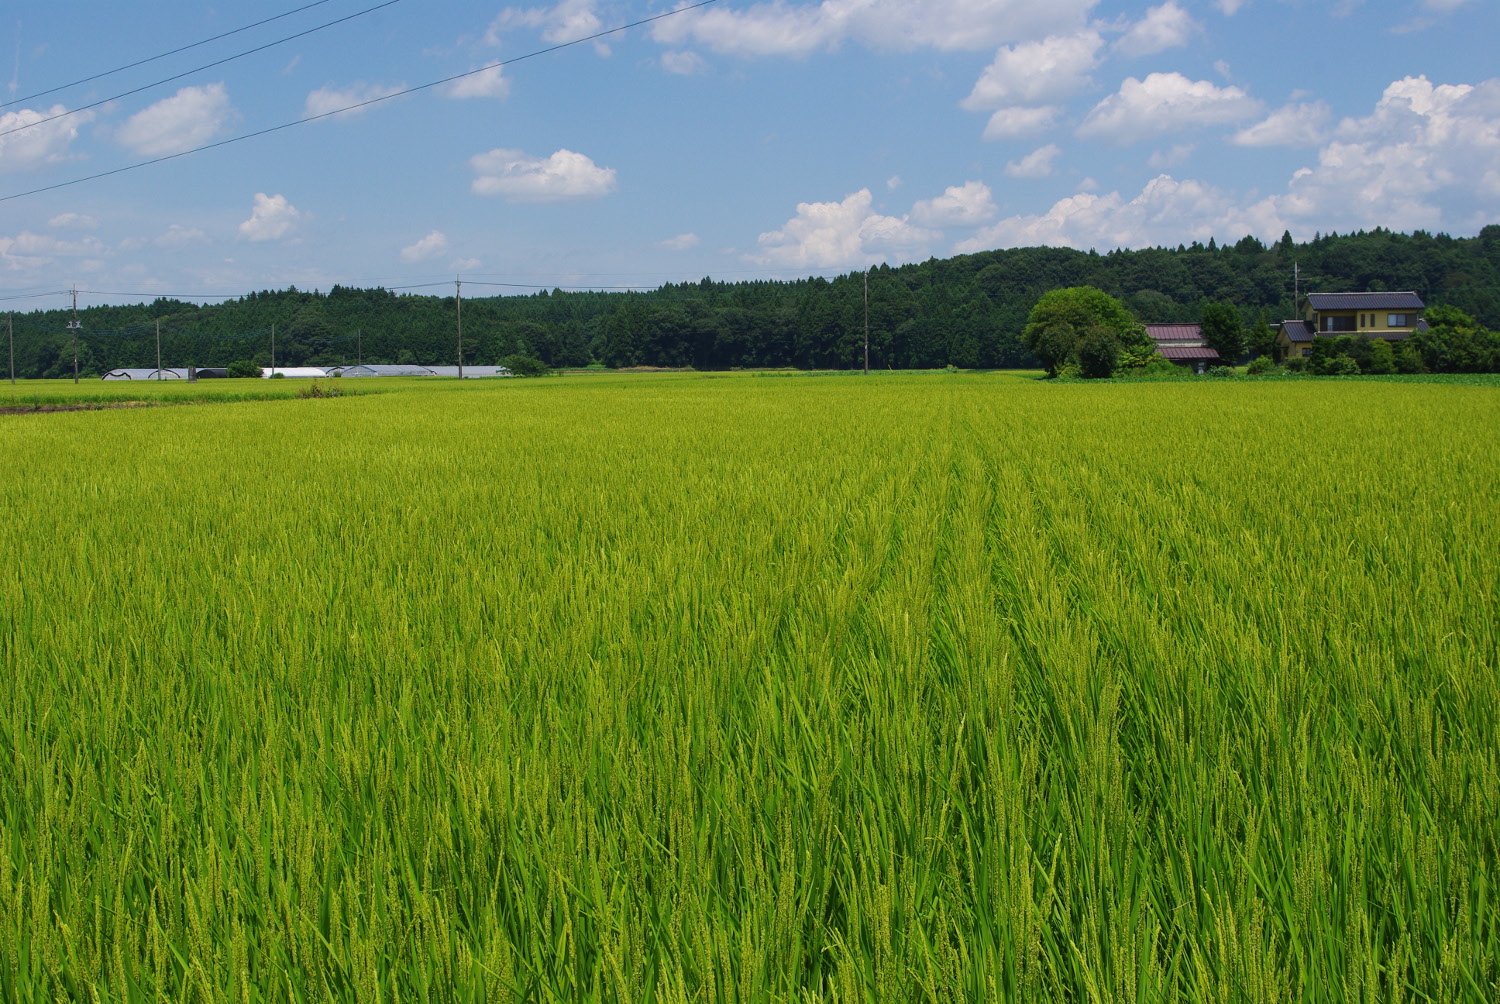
(662, 688)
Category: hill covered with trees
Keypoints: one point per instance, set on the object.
(969, 310)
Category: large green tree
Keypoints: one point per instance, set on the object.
(1223, 330)
(1085, 330)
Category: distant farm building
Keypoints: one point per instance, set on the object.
(1391, 316)
(129, 373)
(1183, 344)
(470, 372)
(381, 369)
(295, 372)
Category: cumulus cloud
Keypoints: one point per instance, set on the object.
(271, 218)
(1036, 164)
(1164, 27)
(1173, 157)
(682, 63)
(679, 243)
(73, 221)
(489, 82)
(778, 28)
(37, 145)
(179, 236)
(563, 177)
(1166, 212)
(1162, 103)
(30, 252)
(1293, 125)
(1035, 73)
(326, 100)
(1424, 159)
(568, 20)
(966, 205)
(434, 244)
(838, 234)
(1230, 8)
(191, 117)
(1010, 123)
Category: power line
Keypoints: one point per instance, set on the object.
(188, 73)
(152, 59)
(360, 104)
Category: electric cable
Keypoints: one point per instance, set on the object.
(152, 59)
(188, 73)
(359, 104)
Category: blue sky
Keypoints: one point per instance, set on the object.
(739, 140)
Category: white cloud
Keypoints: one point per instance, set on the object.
(1036, 72)
(564, 176)
(1174, 157)
(838, 234)
(893, 182)
(568, 20)
(1164, 27)
(1165, 102)
(1221, 67)
(778, 28)
(191, 117)
(1425, 159)
(434, 244)
(271, 219)
(73, 221)
(682, 63)
(39, 144)
(966, 205)
(1445, 5)
(326, 100)
(464, 264)
(179, 236)
(1036, 164)
(1230, 7)
(29, 252)
(679, 243)
(489, 82)
(1010, 123)
(1292, 125)
(1166, 212)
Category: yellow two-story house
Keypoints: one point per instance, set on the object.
(1392, 316)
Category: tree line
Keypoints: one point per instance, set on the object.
(969, 311)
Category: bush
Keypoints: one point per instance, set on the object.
(1260, 365)
(1295, 364)
(1409, 360)
(525, 366)
(1219, 372)
(1382, 357)
(243, 369)
(1343, 365)
(278, 376)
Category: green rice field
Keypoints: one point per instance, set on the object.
(668, 688)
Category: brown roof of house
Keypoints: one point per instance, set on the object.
(1186, 352)
(1175, 332)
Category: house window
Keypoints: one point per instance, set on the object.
(1398, 320)
(1337, 323)
(1307, 351)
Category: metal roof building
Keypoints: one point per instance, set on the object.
(471, 372)
(143, 373)
(1183, 344)
(1365, 301)
(383, 369)
(294, 372)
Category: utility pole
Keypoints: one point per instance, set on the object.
(74, 325)
(10, 333)
(867, 321)
(273, 349)
(1296, 283)
(158, 348)
(458, 302)
(359, 347)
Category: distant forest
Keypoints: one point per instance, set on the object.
(967, 311)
